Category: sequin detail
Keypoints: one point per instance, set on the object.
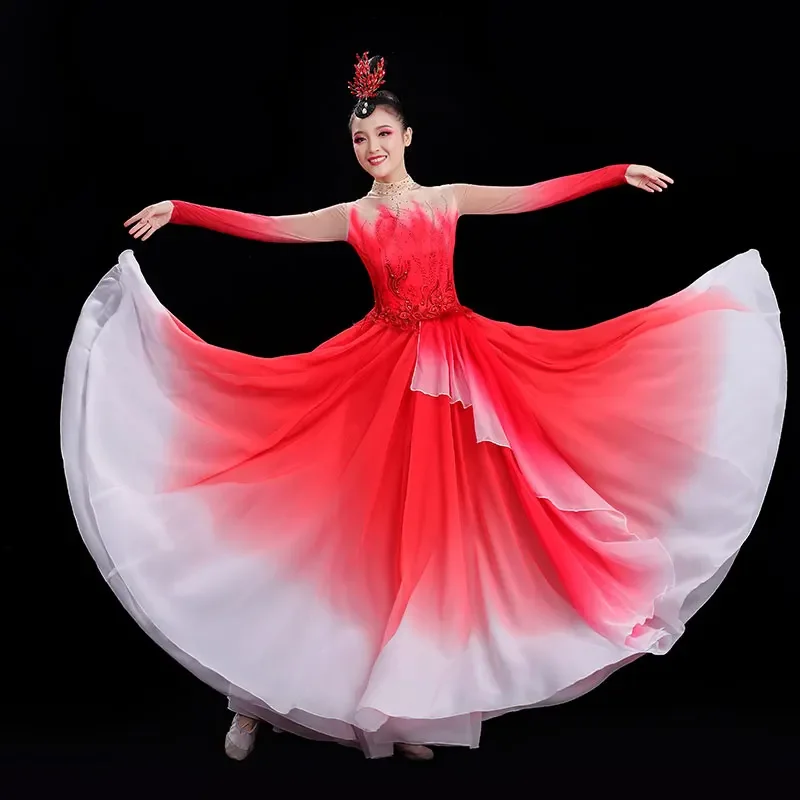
(409, 254)
(393, 189)
(410, 315)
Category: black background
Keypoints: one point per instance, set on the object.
(112, 106)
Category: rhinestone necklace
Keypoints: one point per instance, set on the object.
(392, 189)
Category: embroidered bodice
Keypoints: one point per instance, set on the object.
(407, 246)
(407, 240)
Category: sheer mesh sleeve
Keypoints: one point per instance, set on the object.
(326, 225)
(473, 199)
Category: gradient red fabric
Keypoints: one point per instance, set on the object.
(361, 486)
(433, 517)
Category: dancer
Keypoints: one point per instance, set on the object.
(432, 518)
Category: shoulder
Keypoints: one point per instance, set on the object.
(447, 192)
(451, 191)
(441, 188)
(343, 209)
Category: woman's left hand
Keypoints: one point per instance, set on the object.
(647, 178)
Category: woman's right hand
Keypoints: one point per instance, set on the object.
(150, 219)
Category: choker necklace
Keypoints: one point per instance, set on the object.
(392, 189)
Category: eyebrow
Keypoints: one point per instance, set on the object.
(378, 128)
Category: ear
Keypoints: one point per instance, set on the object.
(407, 136)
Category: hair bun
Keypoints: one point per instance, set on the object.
(363, 109)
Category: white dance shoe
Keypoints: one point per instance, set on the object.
(414, 752)
(241, 738)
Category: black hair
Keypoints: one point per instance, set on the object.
(389, 100)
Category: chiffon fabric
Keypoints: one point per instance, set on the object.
(433, 518)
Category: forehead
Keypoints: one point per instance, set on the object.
(378, 118)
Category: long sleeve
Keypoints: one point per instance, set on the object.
(473, 199)
(326, 225)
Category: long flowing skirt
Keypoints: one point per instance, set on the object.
(400, 534)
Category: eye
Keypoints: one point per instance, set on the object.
(385, 133)
(358, 140)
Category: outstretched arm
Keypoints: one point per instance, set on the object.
(326, 225)
(472, 199)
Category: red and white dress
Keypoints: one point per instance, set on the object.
(432, 518)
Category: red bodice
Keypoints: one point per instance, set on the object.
(408, 253)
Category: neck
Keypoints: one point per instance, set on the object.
(398, 175)
(386, 188)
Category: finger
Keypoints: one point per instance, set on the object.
(133, 219)
(660, 182)
(654, 185)
(665, 177)
(138, 226)
(149, 233)
(140, 229)
(140, 215)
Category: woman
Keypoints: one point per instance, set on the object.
(432, 518)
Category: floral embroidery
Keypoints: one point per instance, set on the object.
(409, 255)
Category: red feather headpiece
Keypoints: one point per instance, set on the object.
(367, 81)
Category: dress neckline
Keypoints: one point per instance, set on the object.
(392, 189)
